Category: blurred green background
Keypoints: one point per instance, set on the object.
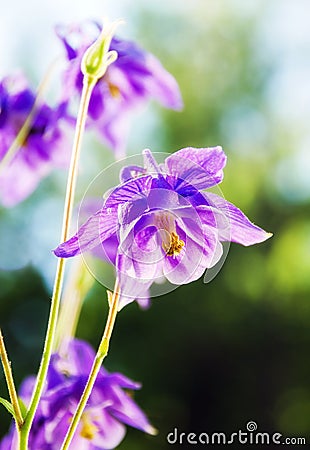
(211, 357)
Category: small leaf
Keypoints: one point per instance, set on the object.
(23, 408)
(7, 405)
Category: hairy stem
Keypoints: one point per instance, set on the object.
(10, 383)
(101, 354)
(50, 334)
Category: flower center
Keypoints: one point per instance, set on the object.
(171, 242)
(88, 430)
(114, 90)
(175, 246)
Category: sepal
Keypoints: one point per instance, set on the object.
(98, 57)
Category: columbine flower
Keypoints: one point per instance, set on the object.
(108, 410)
(161, 223)
(128, 83)
(44, 147)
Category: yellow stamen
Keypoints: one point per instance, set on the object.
(171, 242)
(114, 90)
(88, 430)
(175, 246)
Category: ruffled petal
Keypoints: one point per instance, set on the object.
(232, 224)
(128, 412)
(129, 172)
(122, 381)
(139, 254)
(135, 78)
(191, 168)
(40, 152)
(161, 85)
(150, 166)
(9, 442)
(131, 211)
(76, 358)
(196, 256)
(150, 163)
(98, 228)
(26, 389)
(110, 430)
(132, 289)
(130, 191)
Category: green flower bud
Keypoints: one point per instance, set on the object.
(98, 57)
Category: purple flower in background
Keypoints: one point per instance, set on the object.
(44, 148)
(135, 77)
(159, 222)
(108, 410)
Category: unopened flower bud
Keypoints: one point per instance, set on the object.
(98, 57)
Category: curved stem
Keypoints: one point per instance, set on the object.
(71, 183)
(101, 354)
(10, 383)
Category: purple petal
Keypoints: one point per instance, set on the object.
(97, 229)
(129, 191)
(129, 172)
(165, 199)
(198, 168)
(150, 163)
(150, 167)
(162, 85)
(134, 78)
(18, 182)
(144, 303)
(107, 250)
(61, 32)
(8, 443)
(75, 358)
(26, 388)
(43, 149)
(110, 431)
(52, 434)
(146, 76)
(113, 125)
(195, 257)
(131, 211)
(139, 256)
(123, 381)
(132, 289)
(128, 412)
(11, 441)
(234, 226)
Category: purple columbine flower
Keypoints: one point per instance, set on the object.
(44, 148)
(108, 410)
(160, 222)
(135, 77)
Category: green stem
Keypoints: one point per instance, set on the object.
(50, 334)
(101, 354)
(10, 383)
